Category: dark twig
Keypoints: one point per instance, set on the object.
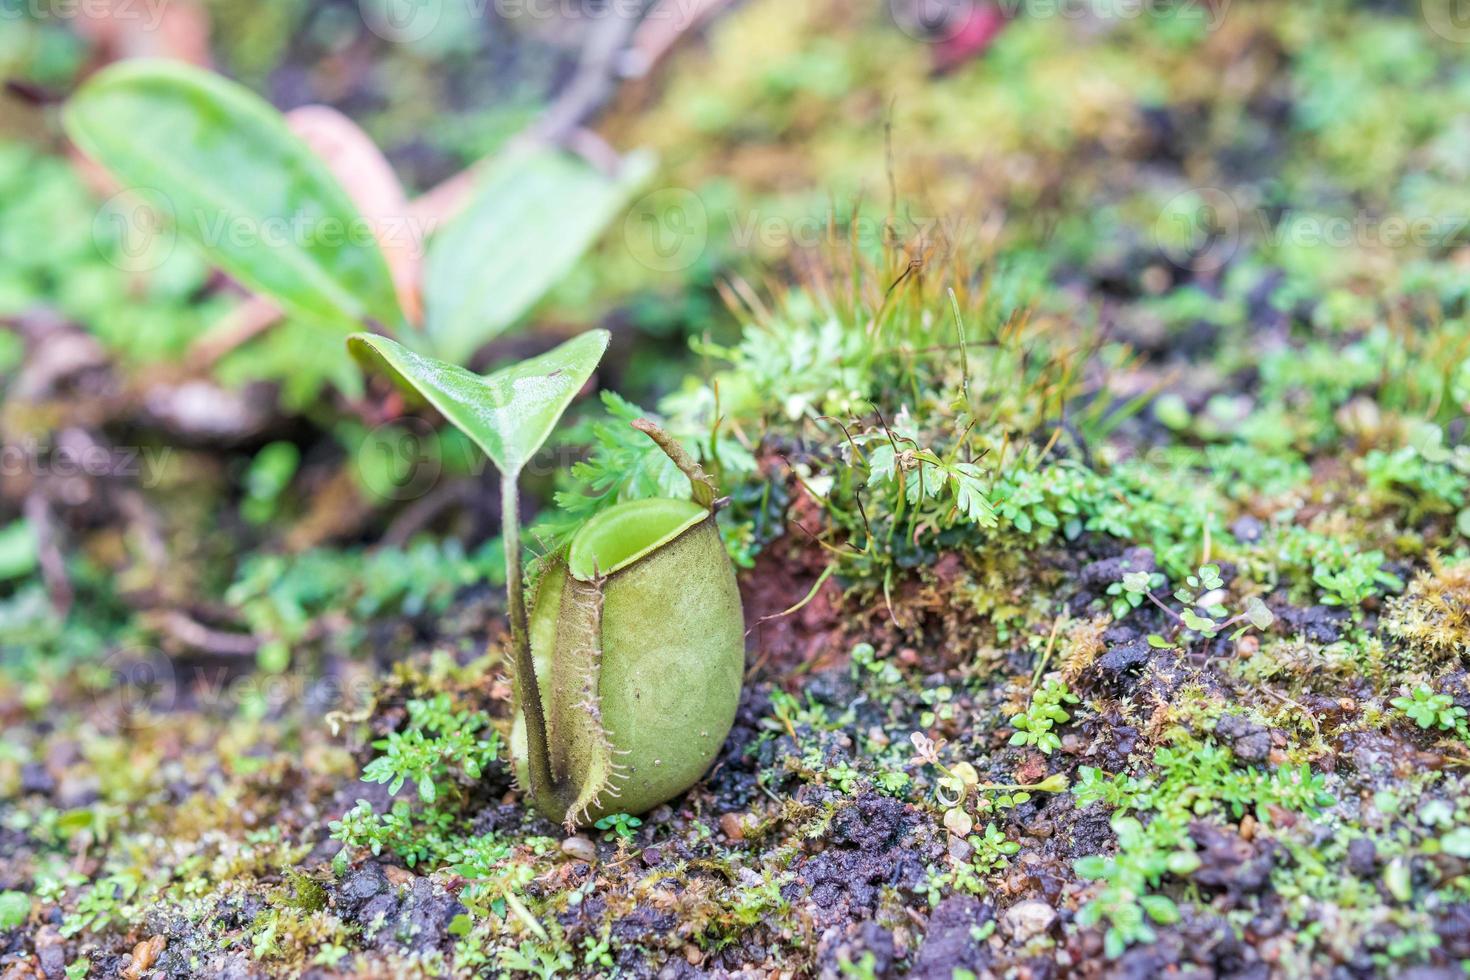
(48, 552)
(424, 511)
(592, 84)
(191, 633)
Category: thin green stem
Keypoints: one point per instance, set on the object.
(1155, 600)
(1054, 783)
(528, 689)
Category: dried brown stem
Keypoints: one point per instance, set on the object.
(701, 486)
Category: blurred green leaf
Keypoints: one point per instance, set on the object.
(531, 219)
(269, 474)
(239, 184)
(15, 908)
(17, 550)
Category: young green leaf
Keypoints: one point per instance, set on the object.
(531, 218)
(970, 495)
(18, 554)
(240, 184)
(509, 413)
(1160, 908)
(1258, 614)
(15, 908)
(1093, 866)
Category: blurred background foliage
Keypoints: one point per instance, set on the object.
(1060, 168)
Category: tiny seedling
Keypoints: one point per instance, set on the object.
(1137, 586)
(618, 826)
(1034, 725)
(960, 783)
(1430, 710)
(1145, 856)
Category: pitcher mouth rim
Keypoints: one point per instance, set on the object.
(577, 565)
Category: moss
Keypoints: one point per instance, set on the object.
(1431, 620)
(935, 501)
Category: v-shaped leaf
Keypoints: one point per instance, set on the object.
(508, 413)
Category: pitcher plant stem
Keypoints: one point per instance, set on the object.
(528, 689)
